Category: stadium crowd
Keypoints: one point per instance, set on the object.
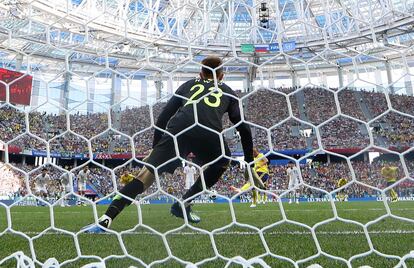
(320, 175)
(264, 108)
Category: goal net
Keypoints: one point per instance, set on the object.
(325, 86)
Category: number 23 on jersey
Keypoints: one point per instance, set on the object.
(212, 100)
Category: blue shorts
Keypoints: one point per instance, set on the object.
(390, 183)
(263, 176)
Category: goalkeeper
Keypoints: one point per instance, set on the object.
(195, 136)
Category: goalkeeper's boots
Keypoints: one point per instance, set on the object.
(178, 212)
(103, 222)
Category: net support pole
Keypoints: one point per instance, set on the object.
(350, 79)
(254, 17)
(115, 98)
(34, 100)
(170, 86)
(294, 76)
(144, 92)
(159, 85)
(249, 88)
(323, 79)
(246, 83)
(252, 73)
(340, 77)
(91, 95)
(271, 79)
(115, 89)
(378, 80)
(389, 76)
(19, 62)
(64, 93)
(408, 85)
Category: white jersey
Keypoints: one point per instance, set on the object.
(83, 176)
(41, 180)
(293, 174)
(65, 180)
(189, 176)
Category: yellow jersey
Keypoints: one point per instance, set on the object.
(260, 164)
(342, 182)
(126, 178)
(390, 173)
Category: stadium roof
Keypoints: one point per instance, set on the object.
(159, 35)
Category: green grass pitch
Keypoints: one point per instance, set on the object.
(389, 236)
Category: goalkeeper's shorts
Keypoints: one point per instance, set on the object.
(205, 145)
(263, 176)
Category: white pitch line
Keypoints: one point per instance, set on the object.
(251, 210)
(311, 210)
(307, 210)
(256, 233)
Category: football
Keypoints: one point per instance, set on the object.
(213, 194)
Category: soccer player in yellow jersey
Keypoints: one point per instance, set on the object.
(126, 177)
(390, 174)
(262, 170)
(341, 194)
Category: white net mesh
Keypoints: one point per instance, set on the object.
(325, 84)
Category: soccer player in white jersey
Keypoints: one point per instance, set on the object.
(66, 187)
(189, 171)
(83, 176)
(41, 181)
(293, 174)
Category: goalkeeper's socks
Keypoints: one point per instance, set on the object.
(131, 190)
(195, 189)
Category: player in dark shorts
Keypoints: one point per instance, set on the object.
(202, 139)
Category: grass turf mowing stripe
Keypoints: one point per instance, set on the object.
(255, 233)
